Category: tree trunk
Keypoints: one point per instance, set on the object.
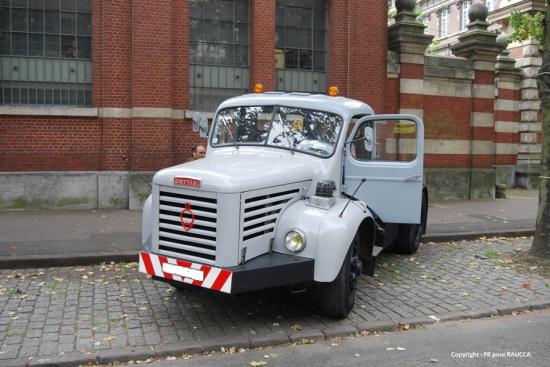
(541, 242)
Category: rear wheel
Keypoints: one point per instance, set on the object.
(338, 297)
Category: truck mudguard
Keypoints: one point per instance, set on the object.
(328, 235)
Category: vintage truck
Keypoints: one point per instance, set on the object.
(295, 190)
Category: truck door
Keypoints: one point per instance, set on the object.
(387, 152)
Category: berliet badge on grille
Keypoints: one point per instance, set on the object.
(187, 181)
(187, 225)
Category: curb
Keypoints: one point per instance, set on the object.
(47, 261)
(460, 236)
(210, 345)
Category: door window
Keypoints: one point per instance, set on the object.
(385, 140)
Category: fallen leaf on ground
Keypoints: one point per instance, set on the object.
(526, 285)
(404, 327)
(296, 327)
(109, 338)
(258, 363)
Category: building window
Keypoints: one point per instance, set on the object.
(443, 23)
(219, 32)
(45, 52)
(465, 20)
(218, 50)
(301, 36)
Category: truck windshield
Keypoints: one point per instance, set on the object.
(300, 129)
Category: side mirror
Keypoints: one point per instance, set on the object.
(369, 138)
(200, 125)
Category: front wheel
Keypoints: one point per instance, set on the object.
(338, 297)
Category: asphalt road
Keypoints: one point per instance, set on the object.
(522, 340)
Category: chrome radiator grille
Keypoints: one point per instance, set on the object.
(260, 212)
(197, 244)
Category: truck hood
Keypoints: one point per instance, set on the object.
(240, 171)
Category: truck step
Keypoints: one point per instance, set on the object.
(376, 250)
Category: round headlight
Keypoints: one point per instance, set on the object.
(295, 241)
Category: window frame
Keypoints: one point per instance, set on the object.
(203, 41)
(299, 50)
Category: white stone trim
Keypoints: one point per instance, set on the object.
(190, 114)
(444, 88)
(530, 148)
(412, 111)
(405, 58)
(530, 127)
(412, 86)
(443, 146)
(506, 127)
(506, 148)
(448, 146)
(483, 147)
(508, 85)
(506, 105)
(115, 112)
(484, 65)
(483, 119)
(483, 91)
(528, 83)
(49, 111)
(529, 105)
(104, 112)
(146, 112)
(441, 88)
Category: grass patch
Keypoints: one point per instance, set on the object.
(491, 253)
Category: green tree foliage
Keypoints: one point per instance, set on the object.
(527, 26)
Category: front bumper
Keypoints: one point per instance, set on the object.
(266, 271)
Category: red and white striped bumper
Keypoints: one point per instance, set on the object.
(186, 272)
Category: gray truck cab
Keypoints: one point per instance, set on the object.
(295, 189)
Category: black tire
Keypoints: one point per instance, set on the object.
(338, 297)
(409, 236)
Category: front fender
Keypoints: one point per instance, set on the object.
(328, 236)
(147, 224)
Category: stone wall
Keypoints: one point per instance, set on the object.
(471, 103)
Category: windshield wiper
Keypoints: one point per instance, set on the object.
(224, 121)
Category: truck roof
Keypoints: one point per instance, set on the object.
(346, 107)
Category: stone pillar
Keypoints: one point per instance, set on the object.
(530, 127)
(479, 45)
(406, 37)
(507, 117)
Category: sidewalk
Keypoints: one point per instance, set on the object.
(90, 236)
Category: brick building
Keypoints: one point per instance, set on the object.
(97, 95)
(447, 19)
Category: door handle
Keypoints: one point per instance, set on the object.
(413, 178)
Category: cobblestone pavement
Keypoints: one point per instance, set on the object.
(111, 310)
